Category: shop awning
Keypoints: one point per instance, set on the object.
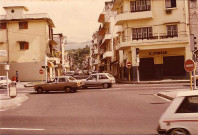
(52, 42)
(50, 64)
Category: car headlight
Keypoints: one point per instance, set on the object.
(78, 83)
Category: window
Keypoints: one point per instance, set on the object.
(142, 33)
(3, 25)
(172, 31)
(140, 5)
(189, 105)
(170, 3)
(23, 25)
(24, 45)
(103, 77)
(92, 77)
(62, 80)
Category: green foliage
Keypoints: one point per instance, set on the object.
(79, 56)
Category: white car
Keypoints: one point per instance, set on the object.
(181, 117)
(105, 80)
(3, 81)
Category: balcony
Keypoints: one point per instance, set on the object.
(156, 39)
(95, 41)
(106, 38)
(126, 16)
(95, 62)
(95, 51)
(3, 36)
(108, 54)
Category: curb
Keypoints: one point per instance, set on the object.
(13, 102)
(165, 96)
(152, 82)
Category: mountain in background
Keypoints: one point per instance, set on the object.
(74, 45)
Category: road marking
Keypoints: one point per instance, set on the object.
(21, 129)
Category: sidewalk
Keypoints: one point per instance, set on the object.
(153, 82)
(7, 103)
(170, 94)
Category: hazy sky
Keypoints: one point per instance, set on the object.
(76, 19)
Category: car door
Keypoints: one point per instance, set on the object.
(61, 83)
(187, 114)
(50, 85)
(91, 81)
(103, 79)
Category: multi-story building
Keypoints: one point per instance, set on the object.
(28, 41)
(154, 38)
(94, 53)
(106, 34)
(62, 54)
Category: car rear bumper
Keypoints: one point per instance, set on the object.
(161, 131)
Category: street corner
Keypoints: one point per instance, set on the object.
(7, 103)
(170, 94)
(165, 95)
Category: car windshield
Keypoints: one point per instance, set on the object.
(110, 75)
(3, 78)
(71, 78)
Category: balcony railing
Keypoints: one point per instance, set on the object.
(156, 38)
(153, 37)
(128, 15)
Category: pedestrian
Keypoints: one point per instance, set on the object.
(17, 76)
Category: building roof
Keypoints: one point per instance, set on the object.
(26, 17)
(26, 9)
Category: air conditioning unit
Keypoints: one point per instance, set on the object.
(168, 11)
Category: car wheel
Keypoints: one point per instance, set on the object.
(178, 131)
(109, 85)
(67, 89)
(105, 85)
(39, 90)
(84, 87)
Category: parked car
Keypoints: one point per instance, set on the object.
(70, 73)
(105, 80)
(181, 117)
(3, 81)
(62, 83)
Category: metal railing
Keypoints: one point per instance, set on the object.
(154, 36)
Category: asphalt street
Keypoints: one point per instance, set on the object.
(123, 109)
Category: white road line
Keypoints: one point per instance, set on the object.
(21, 129)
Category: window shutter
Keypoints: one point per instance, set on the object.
(3, 25)
(25, 25)
(133, 3)
(138, 4)
(169, 30)
(173, 3)
(26, 45)
(175, 31)
(134, 34)
(168, 3)
(150, 32)
(143, 5)
(148, 4)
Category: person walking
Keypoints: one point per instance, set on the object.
(17, 76)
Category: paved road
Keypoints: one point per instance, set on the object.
(123, 109)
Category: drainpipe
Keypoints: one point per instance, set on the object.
(8, 58)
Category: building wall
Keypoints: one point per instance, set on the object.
(155, 49)
(27, 62)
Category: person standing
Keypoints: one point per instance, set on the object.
(17, 76)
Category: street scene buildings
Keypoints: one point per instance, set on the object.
(30, 45)
(152, 36)
(130, 69)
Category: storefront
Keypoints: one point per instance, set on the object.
(161, 64)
